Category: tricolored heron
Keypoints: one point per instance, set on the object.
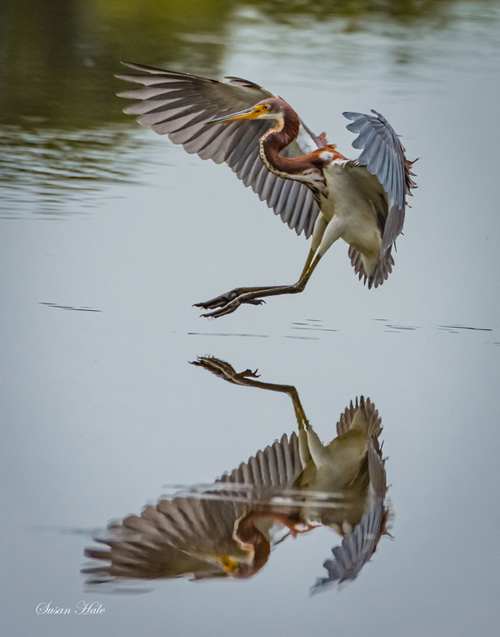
(228, 528)
(313, 187)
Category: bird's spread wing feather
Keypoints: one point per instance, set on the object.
(358, 547)
(382, 271)
(179, 105)
(384, 156)
(278, 465)
(177, 537)
(169, 539)
(369, 413)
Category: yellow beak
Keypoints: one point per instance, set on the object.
(230, 565)
(249, 113)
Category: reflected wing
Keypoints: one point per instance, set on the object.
(361, 413)
(384, 156)
(376, 469)
(179, 105)
(171, 539)
(194, 536)
(276, 466)
(356, 549)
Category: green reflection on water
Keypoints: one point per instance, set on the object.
(57, 58)
(59, 116)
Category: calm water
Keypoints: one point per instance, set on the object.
(109, 234)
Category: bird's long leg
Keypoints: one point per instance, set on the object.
(249, 378)
(223, 299)
(231, 301)
(308, 262)
(250, 295)
(310, 446)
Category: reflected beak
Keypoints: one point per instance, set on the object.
(249, 113)
(230, 565)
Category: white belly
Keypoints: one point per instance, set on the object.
(354, 198)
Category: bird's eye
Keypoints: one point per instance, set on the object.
(266, 107)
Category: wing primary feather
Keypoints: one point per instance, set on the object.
(178, 104)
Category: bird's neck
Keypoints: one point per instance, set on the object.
(308, 169)
(285, 131)
(275, 140)
(253, 540)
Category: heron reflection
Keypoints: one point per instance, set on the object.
(229, 527)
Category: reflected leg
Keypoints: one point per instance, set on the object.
(248, 378)
(310, 446)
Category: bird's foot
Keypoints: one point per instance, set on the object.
(230, 307)
(224, 370)
(225, 299)
(230, 301)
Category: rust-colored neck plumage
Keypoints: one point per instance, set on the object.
(251, 538)
(308, 168)
(277, 138)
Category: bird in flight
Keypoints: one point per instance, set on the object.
(306, 181)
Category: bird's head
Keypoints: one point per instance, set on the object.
(271, 108)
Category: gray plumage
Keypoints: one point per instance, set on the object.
(384, 156)
(183, 107)
(189, 535)
(358, 547)
(179, 105)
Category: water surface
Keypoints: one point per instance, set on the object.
(110, 234)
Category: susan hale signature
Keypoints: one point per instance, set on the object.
(82, 608)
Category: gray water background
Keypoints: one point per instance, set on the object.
(109, 234)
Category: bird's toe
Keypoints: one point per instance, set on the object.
(220, 301)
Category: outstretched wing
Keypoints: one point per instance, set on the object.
(358, 547)
(170, 539)
(361, 412)
(189, 535)
(384, 156)
(278, 465)
(179, 105)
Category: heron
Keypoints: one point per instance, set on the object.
(314, 188)
(228, 528)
